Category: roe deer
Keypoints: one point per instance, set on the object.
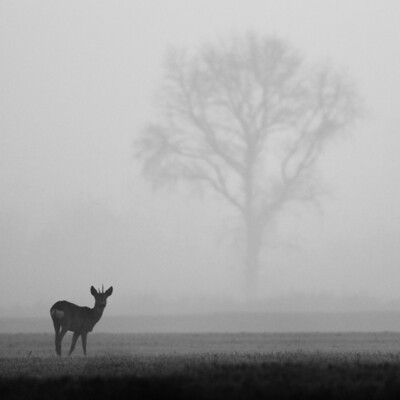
(67, 316)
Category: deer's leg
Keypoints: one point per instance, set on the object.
(84, 337)
(57, 327)
(59, 338)
(74, 339)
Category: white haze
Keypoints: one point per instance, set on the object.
(79, 81)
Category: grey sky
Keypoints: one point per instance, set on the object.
(79, 80)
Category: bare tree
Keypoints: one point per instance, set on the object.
(247, 118)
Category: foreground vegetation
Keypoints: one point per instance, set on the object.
(192, 366)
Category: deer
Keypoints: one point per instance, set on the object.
(67, 316)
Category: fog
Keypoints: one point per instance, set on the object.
(79, 82)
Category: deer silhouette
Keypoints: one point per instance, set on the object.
(67, 316)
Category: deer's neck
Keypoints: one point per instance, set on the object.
(97, 313)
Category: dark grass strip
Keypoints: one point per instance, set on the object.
(289, 380)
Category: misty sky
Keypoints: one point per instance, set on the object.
(79, 81)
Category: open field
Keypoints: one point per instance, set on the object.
(203, 366)
(107, 344)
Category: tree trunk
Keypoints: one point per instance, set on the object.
(252, 224)
(252, 258)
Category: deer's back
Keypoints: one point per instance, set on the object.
(72, 317)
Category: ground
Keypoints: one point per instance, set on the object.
(203, 366)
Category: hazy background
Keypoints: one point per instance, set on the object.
(79, 81)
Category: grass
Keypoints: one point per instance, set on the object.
(232, 366)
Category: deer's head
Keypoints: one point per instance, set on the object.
(100, 297)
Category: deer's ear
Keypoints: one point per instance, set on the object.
(109, 291)
(93, 291)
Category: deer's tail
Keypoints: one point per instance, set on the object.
(56, 314)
